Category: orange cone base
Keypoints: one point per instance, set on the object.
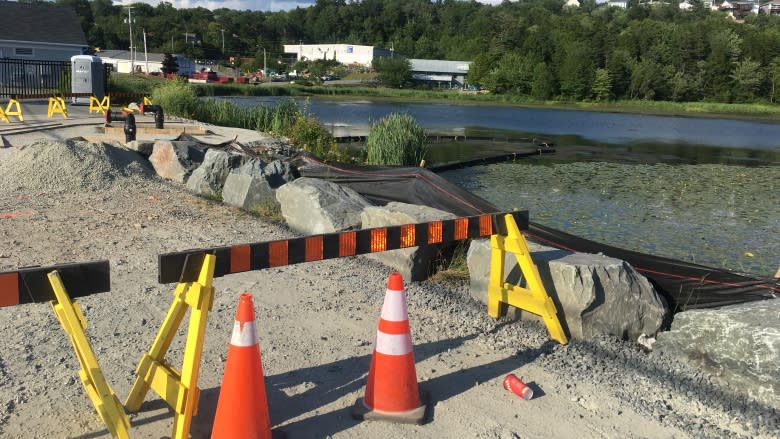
(417, 416)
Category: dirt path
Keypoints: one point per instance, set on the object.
(316, 324)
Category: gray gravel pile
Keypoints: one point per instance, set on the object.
(73, 165)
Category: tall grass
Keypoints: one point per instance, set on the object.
(397, 139)
(286, 118)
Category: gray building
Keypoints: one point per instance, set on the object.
(438, 73)
(40, 32)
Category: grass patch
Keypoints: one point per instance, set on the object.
(397, 139)
(269, 210)
(454, 270)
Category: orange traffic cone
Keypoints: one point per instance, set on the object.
(242, 408)
(392, 393)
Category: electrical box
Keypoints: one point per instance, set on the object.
(87, 77)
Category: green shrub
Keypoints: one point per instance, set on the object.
(397, 139)
(309, 134)
(177, 97)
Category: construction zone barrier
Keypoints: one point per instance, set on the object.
(57, 105)
(99, 105)
(242, 407)
(392, 393)
(178, 388)
(14, 108)
(173, 267)
(31, 284)
(40, 284)
(532, 298)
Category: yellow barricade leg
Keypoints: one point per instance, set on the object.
(3, 116)
(108, 406)
(147, 101)
(179, 389)
(9, 110)
(534, 298)
(57, 105)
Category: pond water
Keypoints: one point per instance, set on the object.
(702, 190)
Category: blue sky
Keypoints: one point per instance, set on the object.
(255, 5)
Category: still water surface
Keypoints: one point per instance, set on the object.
(703, 190)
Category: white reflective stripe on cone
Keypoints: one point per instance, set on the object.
(243, 336)
(393, 344)
(394, 308)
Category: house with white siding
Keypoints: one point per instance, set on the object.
(40, 32)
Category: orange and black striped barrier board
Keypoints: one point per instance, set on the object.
(31, 284)
(184, 266)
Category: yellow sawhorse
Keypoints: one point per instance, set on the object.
(108, 406)
(14, 108)
(178, 388)
(57, 105)
(147, 101)
(98, 106)
(534, 298)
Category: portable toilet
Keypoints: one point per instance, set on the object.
(87, 76)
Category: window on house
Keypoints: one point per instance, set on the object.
(23, 51)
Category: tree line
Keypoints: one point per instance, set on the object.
(537, 48)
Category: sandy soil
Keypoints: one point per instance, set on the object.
(316, 324)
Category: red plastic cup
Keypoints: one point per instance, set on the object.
(518, 387)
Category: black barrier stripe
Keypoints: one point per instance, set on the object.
(31, 285)
(185, 266)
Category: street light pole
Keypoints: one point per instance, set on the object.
(223, 41)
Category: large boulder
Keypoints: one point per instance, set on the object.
(253, 185)
(210, 176)
(175, 160)
(314, 206)
(738, 343)
(594, 294)
(414, 263)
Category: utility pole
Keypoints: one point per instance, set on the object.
(130, 23)
(223, 41)
(265, 71)
(146, 54)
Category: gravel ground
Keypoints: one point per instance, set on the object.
(76, 201)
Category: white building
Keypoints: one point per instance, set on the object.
(344, 53)
(438, 73)
(121, 63)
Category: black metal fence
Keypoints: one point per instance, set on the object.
(38, 79)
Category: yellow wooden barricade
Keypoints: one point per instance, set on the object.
(534, 297)
(14, 108)
(178, 388)
(57, 105)
(99, 106)
(108, 406)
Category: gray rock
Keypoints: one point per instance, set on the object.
(254, 183)
(210, 176)
(414, 263)
(738, 343)
(145, 148)
(313, 206)
(594, 294)
(175, 160)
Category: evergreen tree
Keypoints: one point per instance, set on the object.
(169, 64)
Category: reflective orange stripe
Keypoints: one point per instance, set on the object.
(239, 258)
(277, 254)
(378, 240)
(389, 327)
(461, 229)
(314, 248)
(347, 244)
(9, 289)
(408, 236)
(435, 232)
(485, 225)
